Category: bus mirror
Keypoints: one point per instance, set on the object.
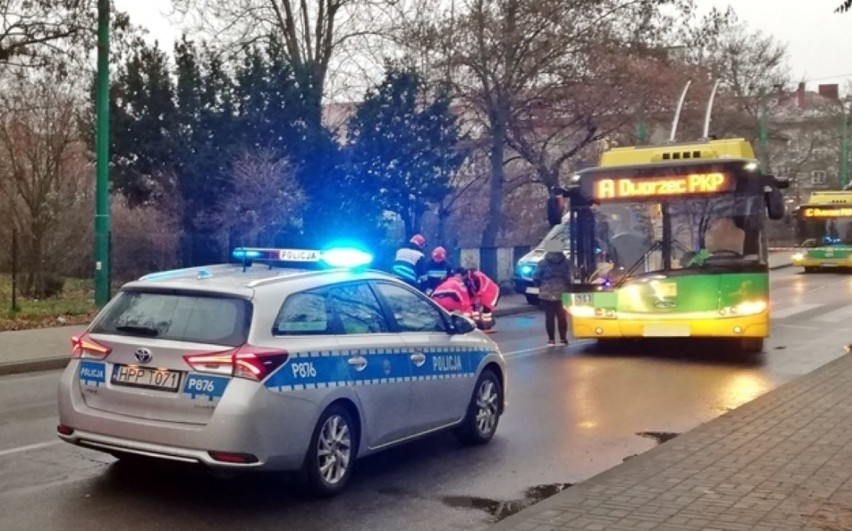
(775, 203)
(554, 210)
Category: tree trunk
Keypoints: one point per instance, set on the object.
(498, 178)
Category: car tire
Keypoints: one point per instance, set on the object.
(331, 455)
(811, 269)
(483, 411)
(532, 299)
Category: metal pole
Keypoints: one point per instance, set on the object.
(677, 112)
(102, 265)
(641, 132)
(14, 268)
(844, 149)
(763, 134)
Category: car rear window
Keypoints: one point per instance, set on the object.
(214, 319)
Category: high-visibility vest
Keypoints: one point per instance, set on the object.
(487, 291)
(452, 295)
(407, 265)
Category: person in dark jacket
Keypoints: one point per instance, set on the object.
(553, 275)
(438, 269)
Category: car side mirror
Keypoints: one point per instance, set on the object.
(462, 324)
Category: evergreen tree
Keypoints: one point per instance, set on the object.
(403, 143)
(143, 122)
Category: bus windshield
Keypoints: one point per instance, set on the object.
(825, 232)
(723, 231)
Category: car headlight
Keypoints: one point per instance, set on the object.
(744, 308)
(526, 270)
(798, 256)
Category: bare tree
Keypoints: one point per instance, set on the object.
(529, 73)
(315, 34)
(266, 199)
(42, 174)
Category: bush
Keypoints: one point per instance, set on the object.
(144, 239)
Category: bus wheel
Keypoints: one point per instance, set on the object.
(751, 345)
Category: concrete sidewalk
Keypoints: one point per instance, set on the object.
(43, 349)
(780, 462)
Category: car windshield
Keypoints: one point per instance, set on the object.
(557, 232)
(218, 320)
(722, 231)
(825, 232)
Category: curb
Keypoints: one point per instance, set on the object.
(782, 266)
(44, 364)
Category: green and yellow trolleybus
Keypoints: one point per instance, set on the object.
(824, 228)
(669, 242)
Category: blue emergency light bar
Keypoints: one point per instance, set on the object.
(338, 257)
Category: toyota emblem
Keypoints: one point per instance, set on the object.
(143, 355)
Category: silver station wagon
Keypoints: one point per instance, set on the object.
(262, 365)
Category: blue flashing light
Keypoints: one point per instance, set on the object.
(245, 254)
(347, 257)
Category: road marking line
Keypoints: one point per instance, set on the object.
(793, 310)
(797, 327)
(27, 448)
(515, 353)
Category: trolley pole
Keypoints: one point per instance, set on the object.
(102, 265)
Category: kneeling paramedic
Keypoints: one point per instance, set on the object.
(453, 294)
(485, 293)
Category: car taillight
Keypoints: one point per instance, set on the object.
(84, 347)
(254, 363)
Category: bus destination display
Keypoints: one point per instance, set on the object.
(827, 212)
(647, 187)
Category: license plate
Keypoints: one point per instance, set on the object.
(532, 290)
(147, 377)
(664, 330)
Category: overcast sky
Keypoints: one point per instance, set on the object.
(819, 41)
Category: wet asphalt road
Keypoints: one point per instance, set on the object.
(573, 413)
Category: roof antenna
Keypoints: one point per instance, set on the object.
(710, 110)
(677, 112)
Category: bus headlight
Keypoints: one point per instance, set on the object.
(583, 312)
(744, 308)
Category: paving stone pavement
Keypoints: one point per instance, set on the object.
(780, 462)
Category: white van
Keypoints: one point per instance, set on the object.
(522, 278)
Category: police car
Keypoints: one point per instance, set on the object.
(250, 366)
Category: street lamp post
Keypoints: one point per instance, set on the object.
(844, 148)
(763, 134)
(102, 265)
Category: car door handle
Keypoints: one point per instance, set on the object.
(418, 358)
(359, 362)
